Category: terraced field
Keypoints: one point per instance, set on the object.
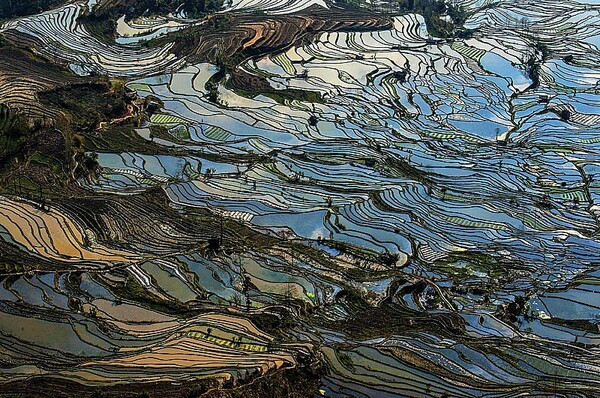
(58, 34)
(391, 212)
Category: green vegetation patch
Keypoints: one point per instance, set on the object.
(464, 265)
(89, 103)
(217, 133)
(163, 118)
(18, 8)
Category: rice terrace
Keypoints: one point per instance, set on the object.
(299, 198)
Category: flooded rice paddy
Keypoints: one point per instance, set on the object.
(471, 163)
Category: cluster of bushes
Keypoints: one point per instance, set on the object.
(432, 10)
(102, 21)
(135, 8)
(193, 8)
(14, 130)
(89, 103)
(199, 8)
(17, 8)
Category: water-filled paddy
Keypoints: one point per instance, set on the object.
(449, 184)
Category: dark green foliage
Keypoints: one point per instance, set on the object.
(15, 8)
(431, 10)
(198, 8)
(33, 154)
(135, 8)
(101, 26)
(213, 91)
(512, 311)
(89, 104)
(35, 151)
(102, 21)
(540, 53)
(13, 135)
(194, 8)
(196, 392)
(345, 360)
(389, 259)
